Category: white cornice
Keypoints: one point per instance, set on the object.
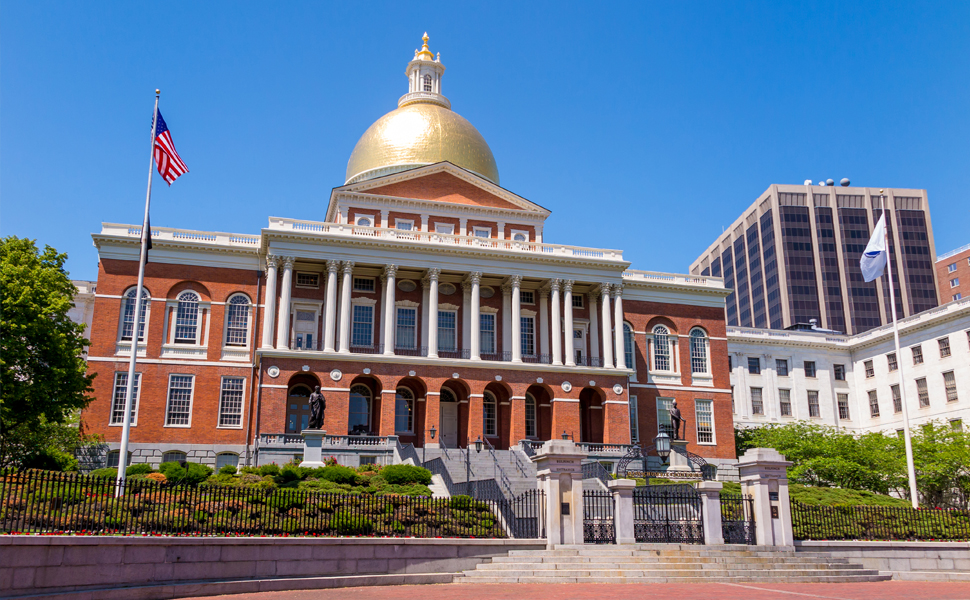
(437, 207)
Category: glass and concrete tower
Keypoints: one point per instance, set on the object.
(793, 256)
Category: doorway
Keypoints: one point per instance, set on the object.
(579, 345)
(448, 412)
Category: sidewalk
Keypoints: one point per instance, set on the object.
(889, 590)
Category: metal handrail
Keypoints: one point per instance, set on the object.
(518, 463)
(503, 478)
(596, 470)
(407, 451)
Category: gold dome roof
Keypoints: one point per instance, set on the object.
(420, 134)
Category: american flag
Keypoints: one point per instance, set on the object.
(170, 165)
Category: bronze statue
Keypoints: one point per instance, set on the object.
(676, 420)
(318, 404)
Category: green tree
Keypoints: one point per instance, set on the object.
(941, 456)
(43, 380)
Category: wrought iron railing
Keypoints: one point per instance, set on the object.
(878, 523)
(542, 359)
(737, 519)
(668, 514)
(416, 351)
(530, 446)
(460, 353)
(520, 465)
(595, 470)
(369, 349)
(598, 525)
(499, 471)
(497, 356)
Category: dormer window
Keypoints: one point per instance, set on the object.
(364, 222)
(427, 83)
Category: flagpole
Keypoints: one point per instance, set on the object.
(136, 329)
(910, 467)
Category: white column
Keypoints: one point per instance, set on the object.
(379, 318)
(594, 327)
(283, 332)
(618, 326)
(345, 289)
(517, 318)
(567, 288)
(269, 310)
(507, 318)
(433, 313)
(330, 309)
(476, 316)
(385, 222)
(556, 285)
(544, 323)
(387, 324)
(466, 317)
(425, 314)
(607, 328)
(538, 234)
(424, 223)
(501, 231)
(462, 226)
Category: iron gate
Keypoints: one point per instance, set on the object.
(526, 515)
(737, 519)
(598, 525)
(667, 514)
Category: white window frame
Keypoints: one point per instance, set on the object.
(873, 397)
(440, 227)
(147, 304)
(357, 278)
(670, 349)
(242, 403)
(168, 401)
(359, 216)
(441, 338)
(817, 406)
(530, 400)
(411, 403)
(630, 358)
(185, 455)
(249, 322)
(218, 466)
(134, 404)
(535, 335)
(493, 403)
(761, 400)
(947, 389)
(514, 232)
(664, 422)
(306, 286)
(842, 403)
(950, 268)
(634, 421)
(477, 231)
(397, 327)
(531, 296)
(369, 401)
(493, 334)
(698, 402)
(579, 301)
(408, 222)
(782, 403)
(373, 321)
(304, 306)
(203, 322)
(706, 340)
(955, 282)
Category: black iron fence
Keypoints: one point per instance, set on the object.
(668, 514)
(598, 526)
(737, 519)
(51, 502)
(878, 523)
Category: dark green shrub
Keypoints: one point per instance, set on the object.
(406, 474)
(337, 474)
(139, 469)
(109, 473)
(460, 502)
(344, 523)
(227, 470)
(52, 459)
(271, 469)
(191, 474)
(290, 474)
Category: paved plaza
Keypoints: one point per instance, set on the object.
(889, 590)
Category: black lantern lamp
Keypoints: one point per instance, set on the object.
(565, 435)
(433, 431)
(662, 445)
(478, 444)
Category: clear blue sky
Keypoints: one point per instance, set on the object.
(642, 126)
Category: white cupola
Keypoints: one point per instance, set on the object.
(424, 78)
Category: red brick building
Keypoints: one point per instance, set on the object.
(425, 301)
(953, 274)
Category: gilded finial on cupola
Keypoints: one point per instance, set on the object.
(425, 53)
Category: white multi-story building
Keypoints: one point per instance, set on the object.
(83, 309)
(854, 381)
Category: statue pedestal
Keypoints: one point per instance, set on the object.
(678, 456)
(559, 471)
(313, 448)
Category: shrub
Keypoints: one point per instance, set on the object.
(139, 469)
(52, 459)
(108, 473)
(191, 474)
(227, 470)
(270, 469)
(406, 474)
(345, 523)
(290, 474)
(337, 474)
(157, 477)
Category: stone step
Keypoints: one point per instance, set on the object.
(713, 560)
(611, 553)
(928, 575)
(556, 573)
(660, 566)
(697, 579)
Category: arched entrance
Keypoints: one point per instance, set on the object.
(298, 402)
(540, 397)
(591, 416)
(448, 424)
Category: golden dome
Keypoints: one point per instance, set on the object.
(420, 134)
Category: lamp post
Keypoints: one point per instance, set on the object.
(565, 435)
(424, 448)
(662, 445)
(468, 465)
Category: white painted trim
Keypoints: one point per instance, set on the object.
(157, 361)
(275, 386)
(624, 403)
(565, 400)
(685, 388)
(517, 398)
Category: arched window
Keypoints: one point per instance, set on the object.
(298, 409)
(187, 318)
(490, 414)
(364, 222)
(519, 237)
(427, 83)
(661, 349)
(447, 396)
(359, 417)
(128, 318)
(237, 320)
(628, 347)
(173, 456)
(698, 351)
(226, 459)
(404, 411)
(530, 416)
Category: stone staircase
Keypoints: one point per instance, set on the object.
(667, 563)
(521, 475)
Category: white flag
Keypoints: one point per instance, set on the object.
(874, 259)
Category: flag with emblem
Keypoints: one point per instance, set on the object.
(167, 160)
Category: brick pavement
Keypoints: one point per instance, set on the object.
(889, 590)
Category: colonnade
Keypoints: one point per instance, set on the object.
(556, 293)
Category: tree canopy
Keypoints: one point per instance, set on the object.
(43, 379)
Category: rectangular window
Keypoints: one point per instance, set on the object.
(810, 368)
(407, 321)
(891, 361)
(704, 414)
(530, 417)
(950, 382)
(482, 232)
(178, 413)
(231, 402)
(873, 404)
(447, 331)
(922, 392)
(917, 355)
(839, 372)
(843, 400)
(489, 416)
(730, 363)
(187, 321)
(307, 280)
(781, 367)
(754, 365)
(784, 402)
(527, 297)
(118, 399)
(578, 301)
(955, 282)
(870, 371)
(944, 343)
(950, 268)
(364, 284)
(362, 330)
(664, 424)
(403, 224)
(757, 407)
(528, 330)
(897, 399)
(634, 421)
(957, 296)
(813, 404)
(444, 228)
(487, 333)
